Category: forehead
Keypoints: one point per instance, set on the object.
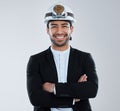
(59, 22)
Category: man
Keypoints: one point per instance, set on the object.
(61, 78)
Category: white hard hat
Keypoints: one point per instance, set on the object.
(59, 12)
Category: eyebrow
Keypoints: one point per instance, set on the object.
(53, 24)
(65, 24)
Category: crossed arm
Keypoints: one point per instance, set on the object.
(49, 87)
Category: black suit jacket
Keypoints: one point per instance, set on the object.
(41, 68)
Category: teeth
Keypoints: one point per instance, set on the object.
(60, 37)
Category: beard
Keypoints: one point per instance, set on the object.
(66, 36)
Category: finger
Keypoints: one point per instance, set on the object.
(83, 78)
(77, 100)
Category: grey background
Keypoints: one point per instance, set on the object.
(23, 33)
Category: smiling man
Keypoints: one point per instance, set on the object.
(61, 78)
(60, 32)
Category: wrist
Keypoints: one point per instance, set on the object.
(52, 88)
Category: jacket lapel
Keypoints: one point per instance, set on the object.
(52, 65)
(71, 66)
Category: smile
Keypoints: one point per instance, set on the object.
(60, 36)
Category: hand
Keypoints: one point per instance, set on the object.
(49, 87)
(76, 100)
(83, 78)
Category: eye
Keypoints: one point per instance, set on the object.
(53, 26)
(65, 26)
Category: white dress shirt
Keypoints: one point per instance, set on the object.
(61, 61)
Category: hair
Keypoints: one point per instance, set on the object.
(60, 20)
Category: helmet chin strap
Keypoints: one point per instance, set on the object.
(70, 38)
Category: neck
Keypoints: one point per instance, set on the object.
(61, 48)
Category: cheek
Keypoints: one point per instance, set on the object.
(49, 32)
(69, 31)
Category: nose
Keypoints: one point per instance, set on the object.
(59, 30)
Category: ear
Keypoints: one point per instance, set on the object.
(72, 29)
(47, 30)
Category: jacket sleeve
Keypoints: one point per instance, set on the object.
(82, 90)
(37, 96)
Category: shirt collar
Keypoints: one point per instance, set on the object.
(56, 52)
